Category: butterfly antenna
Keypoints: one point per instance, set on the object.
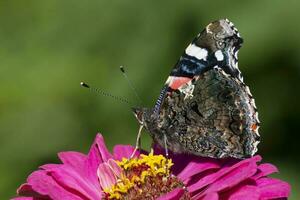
(96, 90)
(130, 84)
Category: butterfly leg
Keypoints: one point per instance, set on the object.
(138, 141)
(166, 146)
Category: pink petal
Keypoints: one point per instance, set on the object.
(30, 198)
(45, 185)
(173, 195)
(70, 179)
(124, 151)
(181, 161)
(234, 177)
(221, 180)
(196, 167)
(210, 196)
(107, 178)
(271, 188)
(97, 154)
(100, 144)
(264, 170)
(49, 166)
(26, 190)
(246, 192)
(115, 167)
(74, 159)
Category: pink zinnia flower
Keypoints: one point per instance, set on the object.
(102, 175)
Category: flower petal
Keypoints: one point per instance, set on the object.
(73, 159)
(45, 185)
(271, 188)
(234, 177)
(98, 151)
(228, 176)
(26, 190)
(210, 196)
(181, 161)
(115, 167)
(173, 195)
(195, 167)
(247, 192)
(68, 178)
(123, 151)
(264, 170)
(97, 154)
(100, 144)
(49, 166)
(107, 178)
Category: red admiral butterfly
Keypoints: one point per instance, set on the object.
(205, 108)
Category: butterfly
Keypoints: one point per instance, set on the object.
(205, 108)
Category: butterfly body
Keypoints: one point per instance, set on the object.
(205, 109)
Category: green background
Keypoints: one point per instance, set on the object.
(47, 47)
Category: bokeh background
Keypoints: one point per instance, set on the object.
(47, 47)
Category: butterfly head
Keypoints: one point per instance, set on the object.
(143, 115)
(223, 41)
(139, 115)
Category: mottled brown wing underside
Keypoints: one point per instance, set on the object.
(213, 115)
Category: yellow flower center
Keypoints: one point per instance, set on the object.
(144, 177)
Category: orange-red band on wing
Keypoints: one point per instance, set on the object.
(175, 82)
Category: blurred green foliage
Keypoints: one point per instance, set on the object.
(47, 47)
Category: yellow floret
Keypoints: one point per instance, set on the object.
(156, 165)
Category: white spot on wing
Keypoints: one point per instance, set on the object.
(197, 52)
(219, 55)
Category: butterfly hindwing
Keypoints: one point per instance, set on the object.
(207, 117)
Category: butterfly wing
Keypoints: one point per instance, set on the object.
(212, 115)
(204, 107)
(216, 45)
